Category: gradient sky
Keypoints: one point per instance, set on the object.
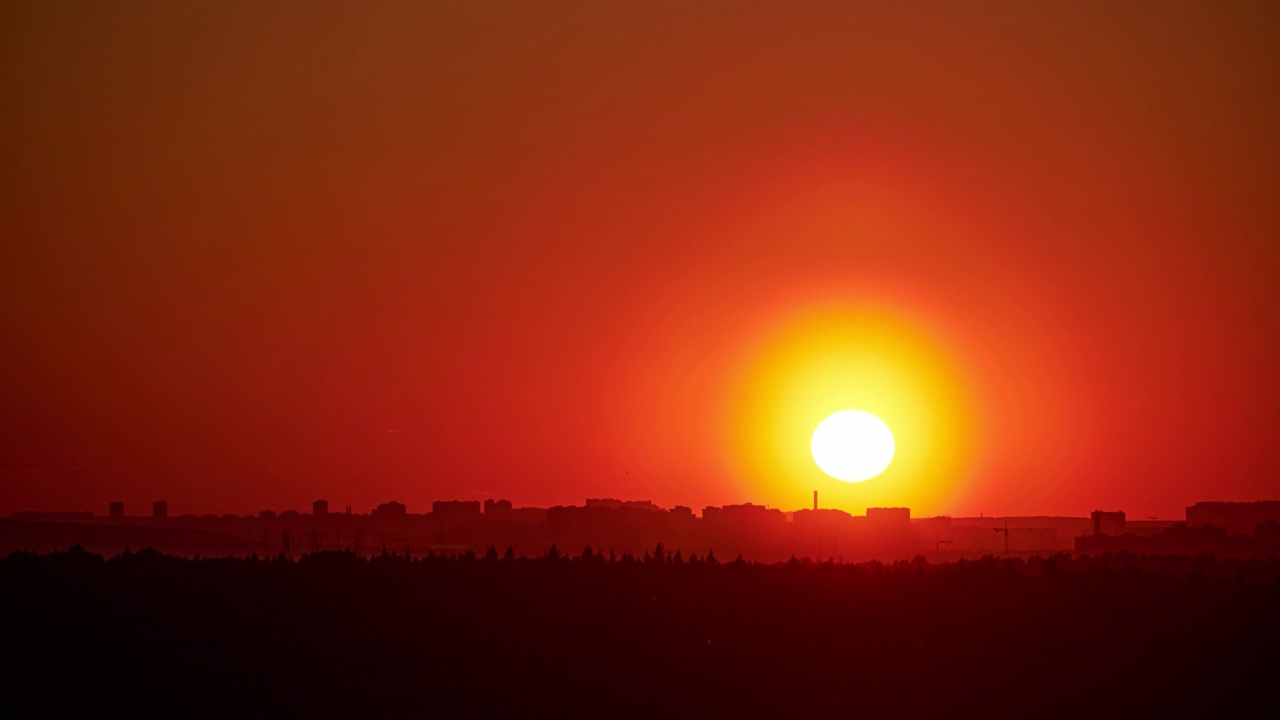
(259, 253)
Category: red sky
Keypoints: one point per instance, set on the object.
(259, 254)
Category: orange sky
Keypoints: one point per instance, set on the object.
(363, 251)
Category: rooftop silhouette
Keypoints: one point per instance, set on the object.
(756, 532)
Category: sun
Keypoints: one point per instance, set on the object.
(825, 359)
(852, 445)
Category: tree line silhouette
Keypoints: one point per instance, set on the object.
(497, 634)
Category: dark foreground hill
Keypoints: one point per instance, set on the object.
(334, 635)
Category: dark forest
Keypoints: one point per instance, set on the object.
(336, 635)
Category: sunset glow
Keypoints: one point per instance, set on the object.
(836, 357)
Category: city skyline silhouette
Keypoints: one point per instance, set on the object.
(631, 527)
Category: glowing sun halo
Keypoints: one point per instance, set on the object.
(852, 445)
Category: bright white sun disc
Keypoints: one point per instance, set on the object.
(852, 445)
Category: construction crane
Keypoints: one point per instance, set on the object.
(1006, 530)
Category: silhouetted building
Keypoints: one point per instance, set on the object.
(940, 524)
(819, 533)
(267, 515)
(115, 509)
(529, 515)
(823, 517)
(681, 523)
(1107, 523)
(320, 507)
(1268, 532)
(621, 525)
(746, 512)
(502, 511)
(749, 529)
(456, 511)
(159, 509)
(888, 518)
(1239, 518)
(1174, 540)
(390, 508)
